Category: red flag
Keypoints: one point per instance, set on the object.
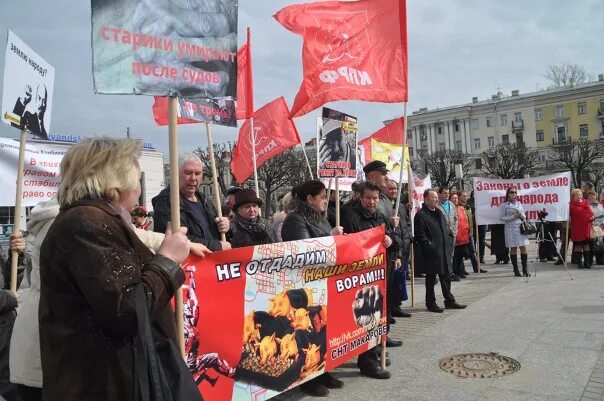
(275, 133)
(352, 50)
(160, 112)
(245, 84)
(391, 133)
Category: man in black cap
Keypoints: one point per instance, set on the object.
(377, 172)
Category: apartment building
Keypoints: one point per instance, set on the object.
(541, 120)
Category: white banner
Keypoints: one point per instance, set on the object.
(41, 177)
(417, 187)
(28, 88)
(549, 192)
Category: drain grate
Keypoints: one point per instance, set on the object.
(480, 366)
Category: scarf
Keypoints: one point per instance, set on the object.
(257, 229)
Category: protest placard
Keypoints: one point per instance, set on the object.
(155, 47)
(549, 192)
(28, 88)
(256, 318)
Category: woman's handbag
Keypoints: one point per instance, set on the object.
(159, 369)
(595, 231)
(527, 227)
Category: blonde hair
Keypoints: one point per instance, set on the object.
(99, 168)
(575, 192)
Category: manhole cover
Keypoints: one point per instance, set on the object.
(481, 366)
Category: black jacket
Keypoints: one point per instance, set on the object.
(248, 233)
(195, 232)
(404, 230)
(433, 242)
(303, 223)
(359, 219)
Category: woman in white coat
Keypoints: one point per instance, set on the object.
(512, 214)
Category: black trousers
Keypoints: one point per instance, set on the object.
(445, 285)
(391, 299)
(30, 393)
(482, 235)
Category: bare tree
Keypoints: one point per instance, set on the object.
(578, 157)
(222, 157)
(509, 161)
(565, 75)
(278, 175)
(441, 166)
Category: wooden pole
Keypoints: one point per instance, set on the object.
(412, 264)
(328, 195)
(175, 208)
(254, 157)
(566, 239)
(411, 256)
(337, 202)
(17, 216)
(477, 242)
(214, 177)
(400, 180)
(307, 162)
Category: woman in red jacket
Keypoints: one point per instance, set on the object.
(581, 218)
(462, 239)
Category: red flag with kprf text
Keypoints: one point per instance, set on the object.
(352, 50)
(245, 85)
(274, 133)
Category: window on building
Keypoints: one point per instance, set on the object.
(539, 135)
(440, 129)
(409, 134)
(410, 151)
(441, 146)
(489, 122)
(476, 143)
(538, 115)
(541, 158)
(503, 120)
(458, 146)
(456, 126)
(505, 139)
(475, 123)
(583, 131)
(478, 164)
(491, 141)
(559, 111)
(518, 117)
(582, 108)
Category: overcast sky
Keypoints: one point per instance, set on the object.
(457, 49)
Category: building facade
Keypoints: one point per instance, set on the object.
(539, 119)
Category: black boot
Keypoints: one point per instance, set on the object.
(514, 259)
(576, 259)
(589, 260)
(524, 259)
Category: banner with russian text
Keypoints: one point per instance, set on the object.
(28, 88)
(256, 318)
(549, 192)
(41, 175)
(337, 142)
(186, 48)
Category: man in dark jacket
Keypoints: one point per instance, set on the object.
(363, 216)
(377, 172)
(434, 251)
(404, 231)
(196, 212)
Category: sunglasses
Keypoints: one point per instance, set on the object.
(513, 192)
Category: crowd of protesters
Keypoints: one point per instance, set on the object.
(90, 250)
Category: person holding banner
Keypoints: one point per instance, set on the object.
(90, 264)
(434, 250)
(581, 219)
(512, 214)
(247, 226)
(307, 220)
(362, 216)
(197, 213)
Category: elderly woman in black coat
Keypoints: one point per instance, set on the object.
(247, 226)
